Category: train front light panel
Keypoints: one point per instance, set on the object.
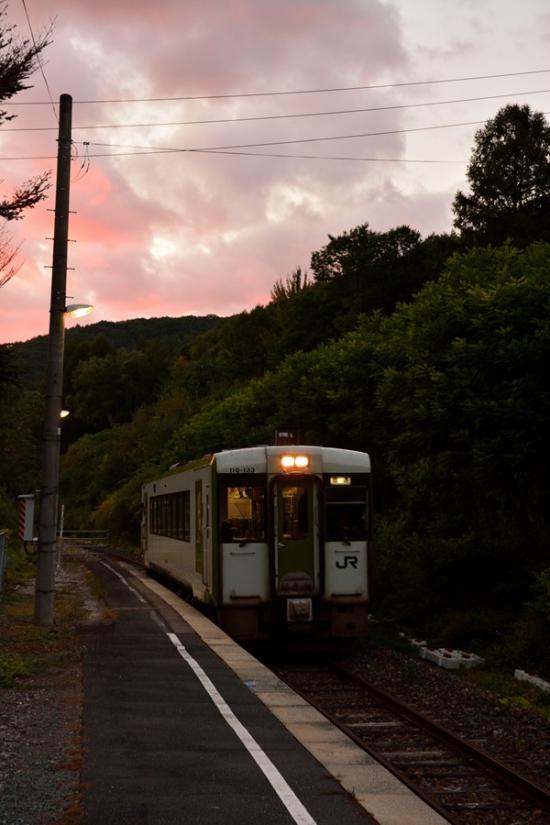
(294, 462)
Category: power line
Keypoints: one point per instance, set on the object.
(292, 141)
(39, 61)
(152, 150)
(292, 91)
(231, 150)
(281, 117)
(326, 157)
(243, 154)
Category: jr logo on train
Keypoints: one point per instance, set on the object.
(275, 540)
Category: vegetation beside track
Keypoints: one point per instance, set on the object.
(27, 650)
(495, 674)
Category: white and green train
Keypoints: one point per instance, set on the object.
(274, 540)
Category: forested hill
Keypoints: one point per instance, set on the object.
(32, 354)
(430, 353)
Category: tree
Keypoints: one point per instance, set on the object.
(464, 391)
(285, 291)
(109, 390)
(371, 270)
(354, 253)
(8, 254)
(19, 59)
(509, 176)
(8, 367)
(20, 415)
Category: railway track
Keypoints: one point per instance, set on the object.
(462, 782)
(459, 779)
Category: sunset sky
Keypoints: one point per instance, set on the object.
(197, 232)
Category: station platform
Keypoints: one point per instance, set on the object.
(184, 726)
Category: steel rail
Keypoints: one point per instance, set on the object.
(382, 760)
(521, 785)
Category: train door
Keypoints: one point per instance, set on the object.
(199, 519)
(144, 523)
(296, 536)
(207, 544)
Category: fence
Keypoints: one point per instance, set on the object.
(79, 538)
(84, 538)
(3, 558)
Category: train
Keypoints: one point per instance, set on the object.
(273, 540)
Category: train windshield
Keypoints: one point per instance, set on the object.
(243, 514)
(346, 513)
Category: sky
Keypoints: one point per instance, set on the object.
(238, 204)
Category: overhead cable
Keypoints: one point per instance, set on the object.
(291, 91)
(280, 117)
(159, 150)
(289, 142)
(39, 61)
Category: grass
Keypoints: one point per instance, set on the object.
(496, 675)
(13, 666)
(97, 587)
(510, 690)
(27, 650)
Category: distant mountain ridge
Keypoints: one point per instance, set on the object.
(33, 354)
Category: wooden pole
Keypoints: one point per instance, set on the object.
(47, 530)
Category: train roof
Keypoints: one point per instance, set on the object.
(264, 459)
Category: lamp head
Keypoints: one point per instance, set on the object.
(78, 310)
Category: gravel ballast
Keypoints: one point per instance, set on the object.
(39, 760)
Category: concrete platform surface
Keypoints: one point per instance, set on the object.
(184, 726)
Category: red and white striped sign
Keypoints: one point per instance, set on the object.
(26, 517)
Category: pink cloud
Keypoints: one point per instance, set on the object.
(173, 234)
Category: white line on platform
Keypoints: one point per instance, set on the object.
(124, 581)
(296, 809)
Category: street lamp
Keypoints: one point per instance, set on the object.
(49, 489)
(49, 480)
(78, 310)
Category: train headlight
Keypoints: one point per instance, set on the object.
(291, 462)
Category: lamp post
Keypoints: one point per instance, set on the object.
(47, 530)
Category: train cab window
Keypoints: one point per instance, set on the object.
(346, 513)
(243, 514)
(295, 512)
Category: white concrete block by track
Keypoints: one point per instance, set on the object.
(442, 656)
(450, 659)
(523, 676)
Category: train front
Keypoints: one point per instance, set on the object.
(295, 541)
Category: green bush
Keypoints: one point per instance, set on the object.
(523, 644)
(541, 604)
(8, 511)
(12, 666)
(474, 630)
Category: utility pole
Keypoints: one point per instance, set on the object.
(47, 530)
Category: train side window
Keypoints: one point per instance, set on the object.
(243, 514)
(346, 513)
(186, 516)
(170, 515)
